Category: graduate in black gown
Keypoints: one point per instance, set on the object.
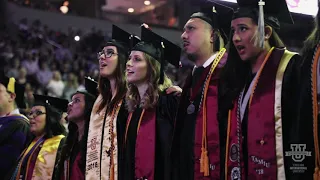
(151, 110)
(73, 156)
(309, 100)
(109, 115)
(39, 160)
(259, 95)
(197, 146)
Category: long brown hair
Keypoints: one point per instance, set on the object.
(105, 87)
(151, 96)
(235, 73)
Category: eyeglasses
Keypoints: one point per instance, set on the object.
(107, 54)
(35, 113)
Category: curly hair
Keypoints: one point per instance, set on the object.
(150, 98)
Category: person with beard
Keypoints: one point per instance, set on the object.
(309, 104)
(197, 147)
(259, 95)
(109, 115)
(14, 126)
(152, 111)
(39, 160)
(72, 161)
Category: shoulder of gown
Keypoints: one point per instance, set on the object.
(168, 105)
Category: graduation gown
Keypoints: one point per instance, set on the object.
(186, 145)
(98, 160)
(40, 159)
(72, 165)
(14, 136)
(76, 170)
(307, 121)
(264, 144)
(146, 152)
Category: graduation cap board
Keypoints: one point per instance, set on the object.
(13, 87)
(159, 48)
(270, 12)
(122, 39)
(58, 103)
(91, 86)
(271, 8)
(217, 15)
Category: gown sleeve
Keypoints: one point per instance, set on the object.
(15, 139)
(166, 114)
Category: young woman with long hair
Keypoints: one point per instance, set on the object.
(108, 117)
(73, 155)
(258, 94)
(152, 111)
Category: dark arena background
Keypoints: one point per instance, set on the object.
(44, 39)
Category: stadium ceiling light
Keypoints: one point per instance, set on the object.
(147, 3)
(64, 9)
(130, 10)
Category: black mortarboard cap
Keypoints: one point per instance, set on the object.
(274, 11)
(270, 12)
(159, 48)
(91, 86)
(13, 87)
(217, 15)
(122, 39)
(58, 103)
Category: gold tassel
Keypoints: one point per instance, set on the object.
(10, 86)
(202, 160)
(316, 175)
(221, 41)
(206, 163)
(112, 172)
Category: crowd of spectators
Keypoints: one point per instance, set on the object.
(54, 63)
(47, 61)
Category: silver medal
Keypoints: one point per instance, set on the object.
(191, 109)
(235, 173)
(234, 152)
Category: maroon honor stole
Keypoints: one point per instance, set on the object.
(206, 147)
(145, 144)
(264, 134)
(211, 136)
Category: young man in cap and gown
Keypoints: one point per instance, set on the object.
(197, 146)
